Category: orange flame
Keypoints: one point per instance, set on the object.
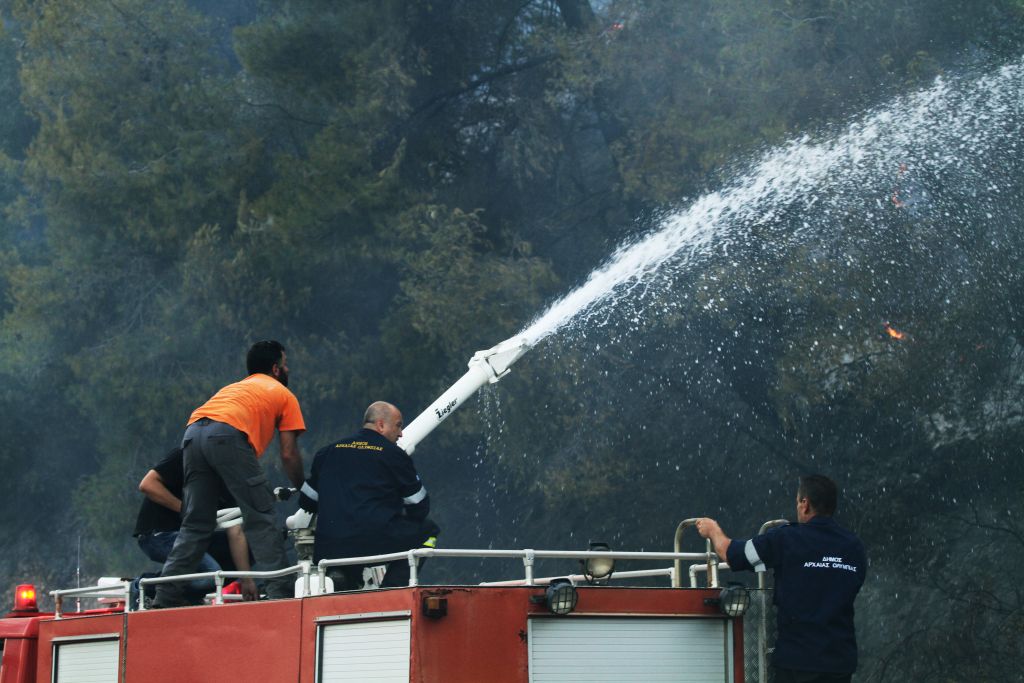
(896, 200)
(893, 332)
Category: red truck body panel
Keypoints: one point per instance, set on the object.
(482, 637)
(20, 635)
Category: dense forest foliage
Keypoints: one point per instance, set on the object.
(387, 187)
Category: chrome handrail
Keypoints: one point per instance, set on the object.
(713, 565)
(582, 578)
(711, 559)
(528, 555)
(302, 568)
(117, 590)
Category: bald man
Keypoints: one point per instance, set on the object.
(368, 498)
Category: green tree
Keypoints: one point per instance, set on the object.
(134, 153)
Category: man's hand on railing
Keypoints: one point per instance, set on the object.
(249, 591)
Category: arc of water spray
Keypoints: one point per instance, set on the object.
(782, 177)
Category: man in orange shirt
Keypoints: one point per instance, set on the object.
(223, 441)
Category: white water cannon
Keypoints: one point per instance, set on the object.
(485, 367)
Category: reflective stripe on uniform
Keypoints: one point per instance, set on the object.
(752, 557)
(309, 491)
(416, 497)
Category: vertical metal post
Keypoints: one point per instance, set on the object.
(413, 569)
(321, 577)
(78, 575)
(762, 626)
(528, 556)
(305, 577)
(677, 566)
(762, 635)
(712, 566)
(218, 597)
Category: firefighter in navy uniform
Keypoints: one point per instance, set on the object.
(369, 499)
(819, 568)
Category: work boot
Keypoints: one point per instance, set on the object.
(166, 597)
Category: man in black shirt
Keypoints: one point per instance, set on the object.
(159, 521)
(368, 498)
(819, 568)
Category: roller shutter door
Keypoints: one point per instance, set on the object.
(86, 661)
(640, 649)
(371, 651)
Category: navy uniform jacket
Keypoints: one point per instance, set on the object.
(368, 498)
(819, 568)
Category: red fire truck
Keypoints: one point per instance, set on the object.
(600, 625)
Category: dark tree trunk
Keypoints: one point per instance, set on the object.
(578, 14)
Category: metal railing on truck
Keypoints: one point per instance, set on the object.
(314, 577)
(706, 561)
(758, 619)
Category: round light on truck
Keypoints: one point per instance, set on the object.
(734, 601)
(598, 569)
(561, 596)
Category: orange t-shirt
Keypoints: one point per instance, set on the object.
(257, 406)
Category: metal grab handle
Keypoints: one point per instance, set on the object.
(121, 589)
(677, 575)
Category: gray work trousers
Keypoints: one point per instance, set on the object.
(216, 451)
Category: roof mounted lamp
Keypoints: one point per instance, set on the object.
(733, 601)
(598, 570)
(560, 596)
(24, 601)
